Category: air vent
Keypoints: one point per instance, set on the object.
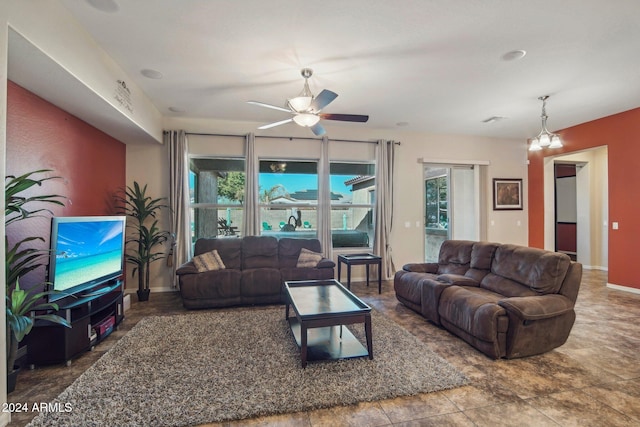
(493, 119)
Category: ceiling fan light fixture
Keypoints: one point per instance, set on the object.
(305, 108)
(300, 103)
(306, 119)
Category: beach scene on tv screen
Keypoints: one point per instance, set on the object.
(87, 251)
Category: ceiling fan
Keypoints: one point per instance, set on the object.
(306, 108)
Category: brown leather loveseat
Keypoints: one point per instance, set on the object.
(505, 300)
(254, 270)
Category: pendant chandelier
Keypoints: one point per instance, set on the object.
(545, 139)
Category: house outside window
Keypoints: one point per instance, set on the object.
(216, 187)
(352, 219)
(288, 198)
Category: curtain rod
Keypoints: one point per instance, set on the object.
(290, 138)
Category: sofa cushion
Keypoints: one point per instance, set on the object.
(308, 259)
(289, 250)
(257, 282)
(211, 285)
(229, 250)
(408, 286)
(481, 257)
(507, 287)
(259, 252)
(541, 271)
(455, 256)
(208, 261)
(475, 311)
(457, 279)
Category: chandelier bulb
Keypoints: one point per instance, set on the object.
(555, 142)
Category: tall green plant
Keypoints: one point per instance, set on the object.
(146, 235)
(21, 259)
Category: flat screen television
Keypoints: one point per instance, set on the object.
(86, 251)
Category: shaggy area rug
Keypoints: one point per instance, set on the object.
(213, 366)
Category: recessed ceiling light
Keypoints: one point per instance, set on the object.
(152, 74)
(514, 55)
(109, 6)
(176, 110)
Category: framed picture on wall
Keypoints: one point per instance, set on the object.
(507, 194)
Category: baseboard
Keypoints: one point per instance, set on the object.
(623, 288)
(153, 290)
(595, 267)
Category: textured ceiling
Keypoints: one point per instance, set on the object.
(435, 64)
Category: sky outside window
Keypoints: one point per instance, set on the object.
(300, 182)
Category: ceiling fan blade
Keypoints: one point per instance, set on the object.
(271, 125)
(273, 107)
(323, 99)
(318, 129)
(345, 117)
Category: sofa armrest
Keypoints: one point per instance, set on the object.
(428, 267)
(326, 263)
(187, 268)
(457, 279)
(537, 307)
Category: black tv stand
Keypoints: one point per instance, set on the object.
(96, 292)
(49, 343)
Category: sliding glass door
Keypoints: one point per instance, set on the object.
(451, 205)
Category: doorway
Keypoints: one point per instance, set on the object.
(451, 205)
(566, 208)
(591, 209)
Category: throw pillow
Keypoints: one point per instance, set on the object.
(208, 261)
(308, 259)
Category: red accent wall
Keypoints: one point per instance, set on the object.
(91, 163)
(621, 134)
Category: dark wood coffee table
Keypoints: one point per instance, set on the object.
(321, 309)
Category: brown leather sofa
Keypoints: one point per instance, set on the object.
(255, 269)
(505, 300)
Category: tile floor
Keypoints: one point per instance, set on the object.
(593, 380)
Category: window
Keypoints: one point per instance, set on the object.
(352, 204)
(217, 192)
(288, 198)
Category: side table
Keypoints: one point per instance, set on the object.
(360, 259)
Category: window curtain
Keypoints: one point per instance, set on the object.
(324, 200)
(250, 225)
(384, 205)
(180, 251)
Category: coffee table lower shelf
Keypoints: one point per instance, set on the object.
(325, 343)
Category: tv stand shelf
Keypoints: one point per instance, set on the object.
(102, 308)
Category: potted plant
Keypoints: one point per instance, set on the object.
(21, 259)
(146, 234)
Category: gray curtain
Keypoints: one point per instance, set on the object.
(250, 225)
(384, 205)
(324, 200)
(177, 147)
